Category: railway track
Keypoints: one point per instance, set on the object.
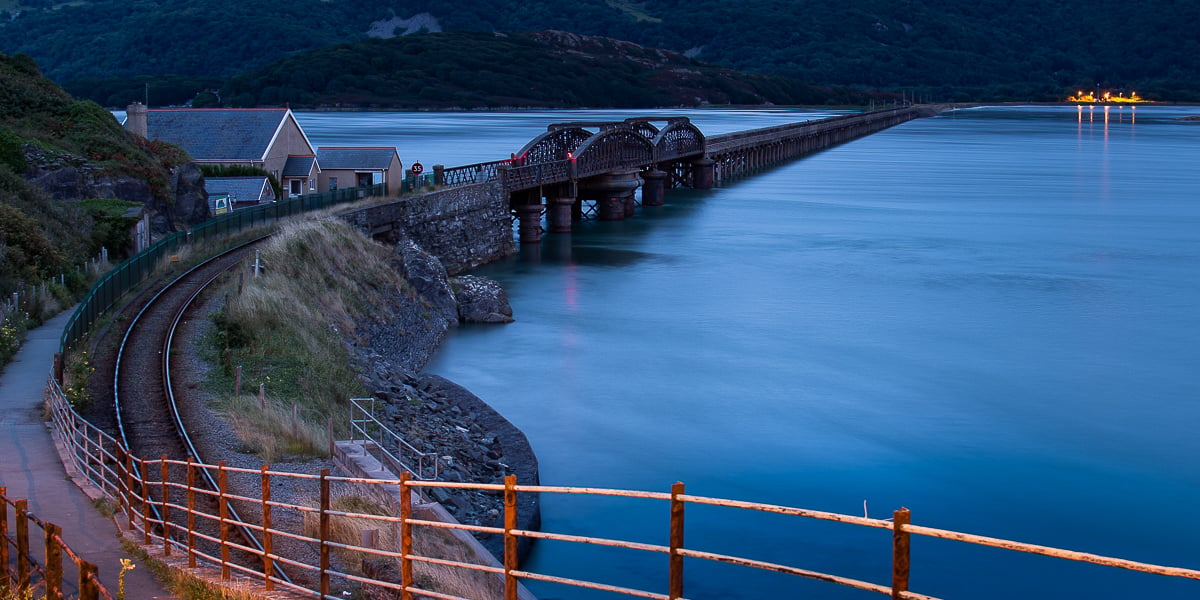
(147, 413)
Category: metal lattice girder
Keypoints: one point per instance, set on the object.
(614, 149)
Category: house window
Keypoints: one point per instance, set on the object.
(312, 185)
(332, 183)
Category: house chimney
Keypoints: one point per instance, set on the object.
(135, 119)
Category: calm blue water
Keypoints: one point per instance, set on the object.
(989, 317)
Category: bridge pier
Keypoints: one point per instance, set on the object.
(530, 218)
(560, 212)
(653, 187)
(703, 171)
(613, 193)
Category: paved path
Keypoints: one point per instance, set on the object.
(31, 469)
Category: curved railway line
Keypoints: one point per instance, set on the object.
(147, 413)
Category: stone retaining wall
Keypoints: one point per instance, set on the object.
(464, 226)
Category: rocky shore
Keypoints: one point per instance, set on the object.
(473, 441)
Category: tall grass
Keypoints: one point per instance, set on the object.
(287, 329)
(428, 542)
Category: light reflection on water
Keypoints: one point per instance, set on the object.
(988, 317)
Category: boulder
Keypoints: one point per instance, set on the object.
(428, 277)
(481, 300)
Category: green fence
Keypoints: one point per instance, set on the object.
(133, 271)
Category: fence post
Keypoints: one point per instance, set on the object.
(223, 513)
(510, 540)
(266, 525)
(5, 576)
(87, 582)
(128, 485)
(324, 532)
(166, 509)
(145, 470)
(191, 512)
(53, 571)
(675, 587)
(406, 539)
(100, 470)
(900, 552)
(22, 544)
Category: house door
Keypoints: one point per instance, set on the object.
(297, 187)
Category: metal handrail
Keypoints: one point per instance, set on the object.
(86, 447)
(391, 445)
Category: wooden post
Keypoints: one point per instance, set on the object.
(900, 552)
(329, 431)
(675, 584)
(324, 532)
(368, 538)
(237, 382)
(223, 513)
(5, 576)
(53, 570)
(406, 540)
(262, 396)
(145, 503)
(88, 590)
(266, 523)
(191, 512)
(165, 508)
(510, 540)
(22, 544)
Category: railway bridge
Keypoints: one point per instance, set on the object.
(584, 168)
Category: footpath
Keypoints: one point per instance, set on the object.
(31, 469)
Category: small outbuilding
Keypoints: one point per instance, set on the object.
(343, 167)
(227, 194)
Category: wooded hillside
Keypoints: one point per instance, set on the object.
(943, 49)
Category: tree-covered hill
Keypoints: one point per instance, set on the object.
(985, 49)
(48, 138)
(474, 70)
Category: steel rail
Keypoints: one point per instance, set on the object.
(172, 404)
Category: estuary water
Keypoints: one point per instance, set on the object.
(988, 317)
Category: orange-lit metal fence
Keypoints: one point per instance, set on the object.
(305, 540)
(48, 573)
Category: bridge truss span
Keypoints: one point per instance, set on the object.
(604, 163)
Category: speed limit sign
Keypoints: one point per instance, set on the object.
(417, 168)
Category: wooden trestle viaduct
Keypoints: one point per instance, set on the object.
(603, 164)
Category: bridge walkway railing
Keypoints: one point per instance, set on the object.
(756, 137)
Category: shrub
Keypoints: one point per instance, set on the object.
(11, 151)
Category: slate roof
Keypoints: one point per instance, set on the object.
(355, 158)
(239, 135)
(239, 189)
(298, 166)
